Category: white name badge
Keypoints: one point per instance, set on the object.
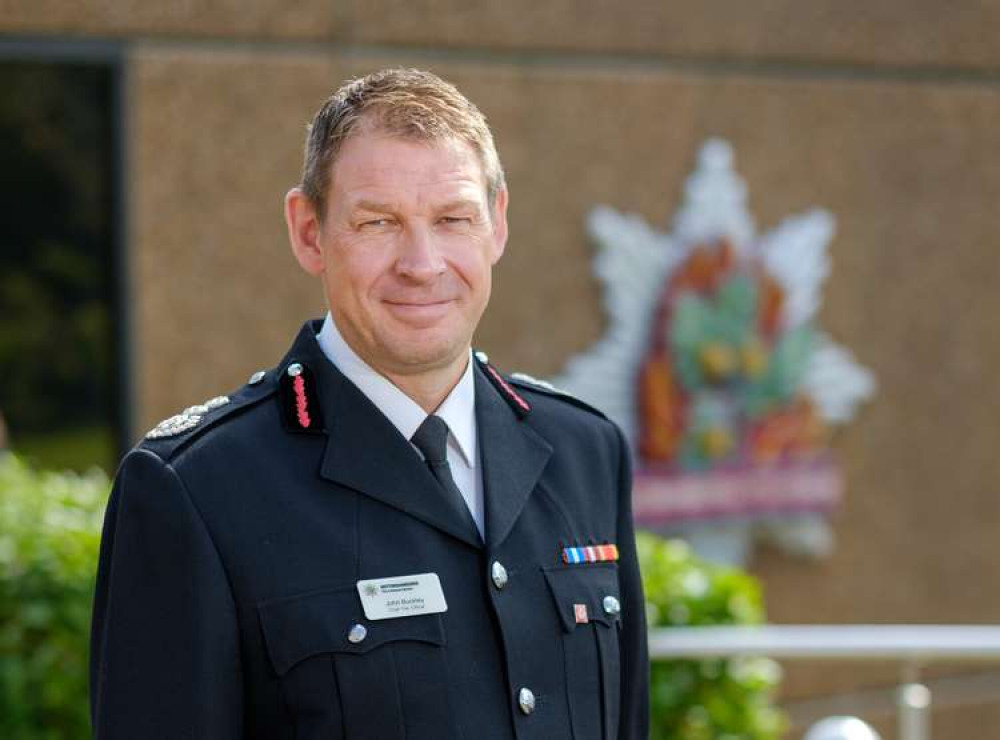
(402, 596)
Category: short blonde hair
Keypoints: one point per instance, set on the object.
(408, 103)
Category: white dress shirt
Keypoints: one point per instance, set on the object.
(458, 411)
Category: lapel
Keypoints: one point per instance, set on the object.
(366, 453)
(513, 457)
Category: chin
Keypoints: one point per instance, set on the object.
(429, 353)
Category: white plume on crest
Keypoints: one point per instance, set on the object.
(795, 255)
(835, 382)
(715, 201)
(633, 261)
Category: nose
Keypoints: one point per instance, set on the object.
(419, 257)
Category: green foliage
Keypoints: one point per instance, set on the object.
(49, 537)
(50, 526)
(717, 699)
(77, 448)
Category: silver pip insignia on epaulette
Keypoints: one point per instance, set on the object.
(525, 378)
(543, 386)
(189, 418)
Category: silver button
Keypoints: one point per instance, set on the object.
(358, 633)
(526, 700)
(257, 377)
(612, 606)
(499, 574)
(294, 369)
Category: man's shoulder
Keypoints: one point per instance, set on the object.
(530, 393)
(230, 412)
(551, 395)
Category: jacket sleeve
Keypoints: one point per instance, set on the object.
(164, 657)
(634, 718)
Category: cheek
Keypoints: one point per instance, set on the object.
(355, 271)
(473, 266)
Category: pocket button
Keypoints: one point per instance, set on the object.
(357, 634)
(612, 606)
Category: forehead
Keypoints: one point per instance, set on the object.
(380, 164)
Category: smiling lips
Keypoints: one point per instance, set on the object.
(420, 311)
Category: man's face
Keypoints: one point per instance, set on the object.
(408, 243)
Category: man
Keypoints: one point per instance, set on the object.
(381, 537)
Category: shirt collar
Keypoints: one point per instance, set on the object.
(458, 410)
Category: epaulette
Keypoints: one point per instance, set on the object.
(523, 380)
(171, 434)
(517, 402)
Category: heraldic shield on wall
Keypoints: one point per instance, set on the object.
(716, 368)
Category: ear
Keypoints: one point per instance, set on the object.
(499, 218)
(304, 231)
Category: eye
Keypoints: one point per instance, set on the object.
(453, 220)
(375, 223)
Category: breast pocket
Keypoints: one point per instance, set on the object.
(344, 676)
(587, 599)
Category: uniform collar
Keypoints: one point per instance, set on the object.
(458, 410)
(366, 453)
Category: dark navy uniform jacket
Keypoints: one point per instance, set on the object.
(231, 552)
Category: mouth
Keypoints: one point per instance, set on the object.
(416, 301)
(419, 311)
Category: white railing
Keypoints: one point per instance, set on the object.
(913, 646)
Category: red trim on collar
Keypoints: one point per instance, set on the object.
(511, 393)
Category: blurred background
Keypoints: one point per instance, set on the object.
(145, 150)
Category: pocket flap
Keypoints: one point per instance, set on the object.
(587, 586)
(298, 627)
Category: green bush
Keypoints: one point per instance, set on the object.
(712, 699)
(50, 525)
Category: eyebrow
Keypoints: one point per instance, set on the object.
(373, 206)
(460, 203)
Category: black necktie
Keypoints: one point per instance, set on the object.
(431, 438)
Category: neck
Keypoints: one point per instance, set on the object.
(430, 387)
